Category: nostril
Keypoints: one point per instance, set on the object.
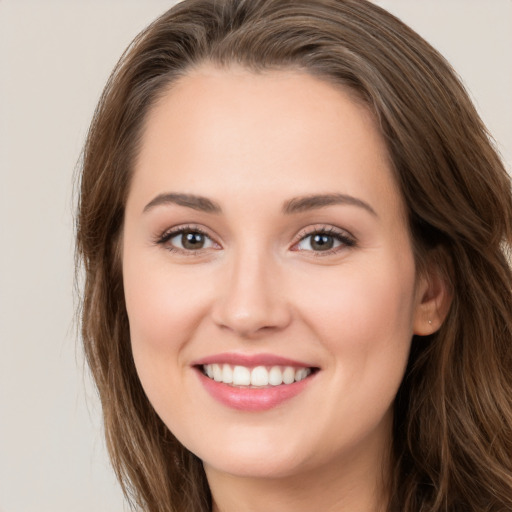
(248, 318)
(249, 324)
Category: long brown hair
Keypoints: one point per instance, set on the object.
(452, 445)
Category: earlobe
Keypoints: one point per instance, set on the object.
(433, 303)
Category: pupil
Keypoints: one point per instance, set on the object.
(192, 240)
(322, 242)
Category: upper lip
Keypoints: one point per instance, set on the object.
(250, 360)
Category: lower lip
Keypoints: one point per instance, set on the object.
(252, 399)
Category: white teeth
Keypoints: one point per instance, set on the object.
(289, 375)
(227, 374)
(217, 373)
(301, 374)
(275, 376)
(241, 376)
(259, 376)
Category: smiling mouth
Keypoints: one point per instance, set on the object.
(255, 377)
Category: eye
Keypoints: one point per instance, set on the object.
(190, 240)
(324, 240)
(186, 240)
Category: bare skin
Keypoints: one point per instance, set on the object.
(224, 251)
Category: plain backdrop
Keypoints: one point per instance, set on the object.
(55, 57)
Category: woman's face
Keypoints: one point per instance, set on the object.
(265, 244)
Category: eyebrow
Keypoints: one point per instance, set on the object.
(295, 205)
(202, 204)
(313, 202)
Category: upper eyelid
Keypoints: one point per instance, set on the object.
(321, 228)
(176, 230)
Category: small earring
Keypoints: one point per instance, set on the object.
(430, 322)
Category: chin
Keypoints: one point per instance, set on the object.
(256, 467)
(249, 457)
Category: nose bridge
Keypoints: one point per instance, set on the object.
(252, 299)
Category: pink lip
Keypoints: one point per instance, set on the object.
(247, 398)
(250, 360)
(252, 399)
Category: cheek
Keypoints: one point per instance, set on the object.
(160, 306)
(163, 300)
(363, 314)
(363, 317)
(164, 310)
(367, 301)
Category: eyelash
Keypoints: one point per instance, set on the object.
(164, 238)
(346, 240)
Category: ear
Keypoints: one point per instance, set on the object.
(433, 300)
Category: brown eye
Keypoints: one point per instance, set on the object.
(321, 242)
(190, 240)
(324, 241)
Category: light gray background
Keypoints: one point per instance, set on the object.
(54, 59)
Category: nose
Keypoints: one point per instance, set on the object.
(251, 301)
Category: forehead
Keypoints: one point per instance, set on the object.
(216, 131)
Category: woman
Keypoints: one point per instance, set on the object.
(295, 234)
